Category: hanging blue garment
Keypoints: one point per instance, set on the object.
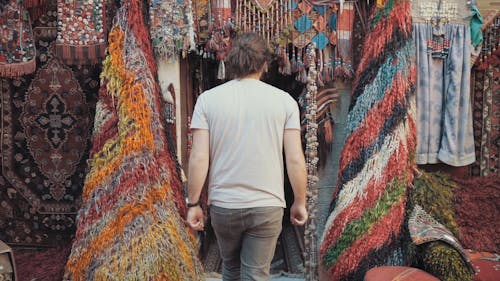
(443, 57)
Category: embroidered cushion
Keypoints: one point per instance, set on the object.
(398, 273)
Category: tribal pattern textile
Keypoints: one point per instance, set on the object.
(17, 48)
(365, 225)
(129, 226)
(172, 34)
(81, 37)
(45, 128)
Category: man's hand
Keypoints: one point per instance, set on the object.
(195, 218)
(298, 214)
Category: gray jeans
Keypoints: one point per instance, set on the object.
(247, 240)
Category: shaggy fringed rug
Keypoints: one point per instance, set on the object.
(477, 212)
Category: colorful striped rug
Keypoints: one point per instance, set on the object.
(376, 167)
(129, 226)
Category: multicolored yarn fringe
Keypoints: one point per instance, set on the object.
(377, 162)
(81, 38)
(173, 34)
(17, 47)
(129, 226)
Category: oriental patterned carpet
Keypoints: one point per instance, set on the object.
(46, 122)
(486, 110)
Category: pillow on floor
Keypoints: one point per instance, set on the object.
(486, 265)
(400, 273)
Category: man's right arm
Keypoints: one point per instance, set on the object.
(297, 173)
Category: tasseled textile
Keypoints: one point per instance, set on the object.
(129, 226)
(377, 165)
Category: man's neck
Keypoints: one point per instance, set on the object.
(255, 76)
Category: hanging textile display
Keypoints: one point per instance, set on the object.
(17, 48)
(221, 30)
(171, 28)
(269, 18)
(442, 35)
(81, 26)
(364, 228)
(129, 226)
(328, 26)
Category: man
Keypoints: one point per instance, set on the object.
(239, 131)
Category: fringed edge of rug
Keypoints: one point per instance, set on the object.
(81, 55)
(18, 69)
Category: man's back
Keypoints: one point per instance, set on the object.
(246, 119)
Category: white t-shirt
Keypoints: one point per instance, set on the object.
(246, 120)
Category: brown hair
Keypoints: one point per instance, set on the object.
(248, 54)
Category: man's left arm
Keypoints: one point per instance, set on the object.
(197, 174)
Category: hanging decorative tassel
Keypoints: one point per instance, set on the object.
(221, 72)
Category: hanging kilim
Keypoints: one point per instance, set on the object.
(376, 167)
(81, 28)
(17, 48)
(129, 226)
(171, 27)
